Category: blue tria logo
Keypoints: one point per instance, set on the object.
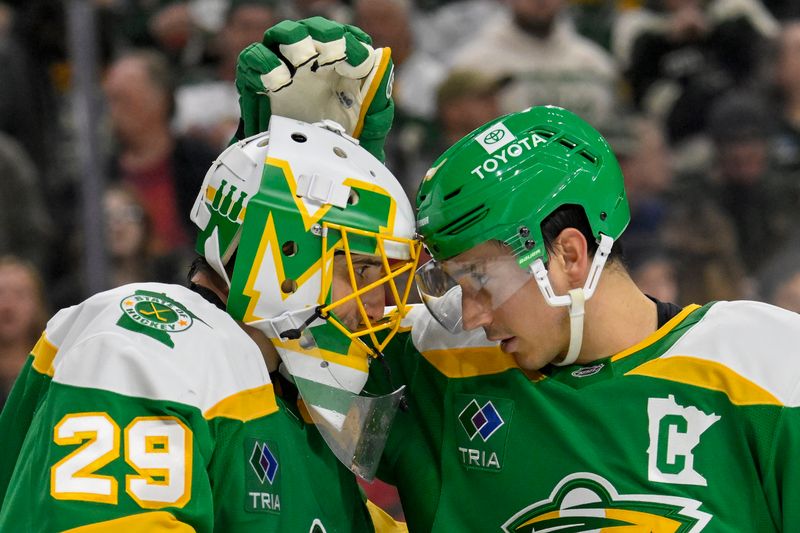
(264, 463)
(480, 420)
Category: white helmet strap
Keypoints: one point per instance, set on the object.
(212, 254)
(575, 298)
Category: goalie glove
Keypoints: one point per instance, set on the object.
(316, 69)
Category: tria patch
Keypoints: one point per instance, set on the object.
(155, 315)
(262, 476)
(587, 502)
(481, 441)
(264, 463)
(480, 420)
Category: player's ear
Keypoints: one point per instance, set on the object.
(572, 254)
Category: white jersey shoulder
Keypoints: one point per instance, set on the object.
(428, 334)
(758, 343)
(156, 341)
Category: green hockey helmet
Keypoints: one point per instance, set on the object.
(503, 179)
(500, 183)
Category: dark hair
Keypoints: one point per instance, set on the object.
(574, 216)
(201, 265)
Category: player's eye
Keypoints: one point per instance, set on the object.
(474, 279)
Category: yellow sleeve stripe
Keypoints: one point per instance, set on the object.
(155, 521)
(709, 375)
(657, 334)
(386, 54)
(43, 354)
(470, 362)
(246, 405)
(382, 522)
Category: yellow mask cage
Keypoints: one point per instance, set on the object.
(389, 322)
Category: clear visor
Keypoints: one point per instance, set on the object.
(458, 293)
(354, 425)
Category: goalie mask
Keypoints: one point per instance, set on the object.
(322, 235)
(499, 183)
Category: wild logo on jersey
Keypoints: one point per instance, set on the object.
(484, 426)
(155, 315)
(587, 502)
(262, 476)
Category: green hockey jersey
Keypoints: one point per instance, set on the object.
(146, 408)
(696, 428)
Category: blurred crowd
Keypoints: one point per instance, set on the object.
(700, 100)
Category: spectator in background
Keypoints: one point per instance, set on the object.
(130, 248)
(644, 157)
(26, 228)
(416, 77)
(686, 53)
(465, 100)
(23, 314)
(787, 294)
(655, 274)
(416, 73)
(547, 61)
(440, 29)
(724, 225)
(762, 203)
(23, 103)
(163, 169)
(171, 26)
(209, 108)
(779, 281)
(786, 150)
(129, 243)
(701, 240)
(330, 9)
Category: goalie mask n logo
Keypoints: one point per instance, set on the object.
(587, 502)
(281, 246)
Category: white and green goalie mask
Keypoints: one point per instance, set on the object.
(322, 235)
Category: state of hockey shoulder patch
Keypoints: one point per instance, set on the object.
(155, 315)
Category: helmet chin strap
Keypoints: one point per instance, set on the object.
(575, 298)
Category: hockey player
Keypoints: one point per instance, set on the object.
(600, 409)
(149, 408)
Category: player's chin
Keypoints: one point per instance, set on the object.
(528, 359)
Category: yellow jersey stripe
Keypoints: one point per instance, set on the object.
(386, 54)
(709, 375)
(155, 521)
(43, 354)
(246, 405)
(657, 334)
(470, 361)
(383, 522)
